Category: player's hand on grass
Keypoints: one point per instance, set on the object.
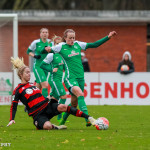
(37, 56)
(10, 123)
(48, 49)
(111, 34)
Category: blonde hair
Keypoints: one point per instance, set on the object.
(55, 37)
(66, 32)
(18, 64)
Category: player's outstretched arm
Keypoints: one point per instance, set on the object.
(111, 34)
(101, 41)
(10, 123)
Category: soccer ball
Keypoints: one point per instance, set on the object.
(124, 68)
(102, 123)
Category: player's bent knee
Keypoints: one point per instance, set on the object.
(77, 91)
(47, 125)
(82, 94)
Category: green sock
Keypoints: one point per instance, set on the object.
(66, 115)
(45, 92)
(82, 105)
(61, 101)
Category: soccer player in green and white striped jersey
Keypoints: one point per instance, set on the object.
(70, 51)
(34, 50)
(54, 64)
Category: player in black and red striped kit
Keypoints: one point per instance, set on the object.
(39, 107)
(31, 97)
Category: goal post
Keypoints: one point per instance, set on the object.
(14, 18)
(8, 48)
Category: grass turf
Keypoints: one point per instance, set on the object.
(129, 129)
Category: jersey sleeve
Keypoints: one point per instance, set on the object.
(97, 43)
(32, 47)
(57, 48)
(82, 45)
(49, 58)
(13, 109)
(45, 64)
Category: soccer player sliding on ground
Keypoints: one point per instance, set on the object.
(39, 107)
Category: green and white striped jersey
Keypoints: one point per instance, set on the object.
(36, 47)
(55, 61)
(71, 55)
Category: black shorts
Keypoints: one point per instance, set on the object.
(49, 112)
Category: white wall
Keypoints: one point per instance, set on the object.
(105, 88)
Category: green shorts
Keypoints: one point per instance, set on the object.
(69, 83)
(40, 74)
(57, 89)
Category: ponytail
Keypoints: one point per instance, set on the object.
(18, 64)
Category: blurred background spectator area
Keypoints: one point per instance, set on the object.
(75, 4)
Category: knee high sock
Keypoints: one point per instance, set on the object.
(66, 115)
(61, 101)
(45, 92)
(82, 105)
(76, 112)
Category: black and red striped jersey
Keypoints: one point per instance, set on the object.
(31, 97)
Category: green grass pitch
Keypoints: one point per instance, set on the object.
(129, 130)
